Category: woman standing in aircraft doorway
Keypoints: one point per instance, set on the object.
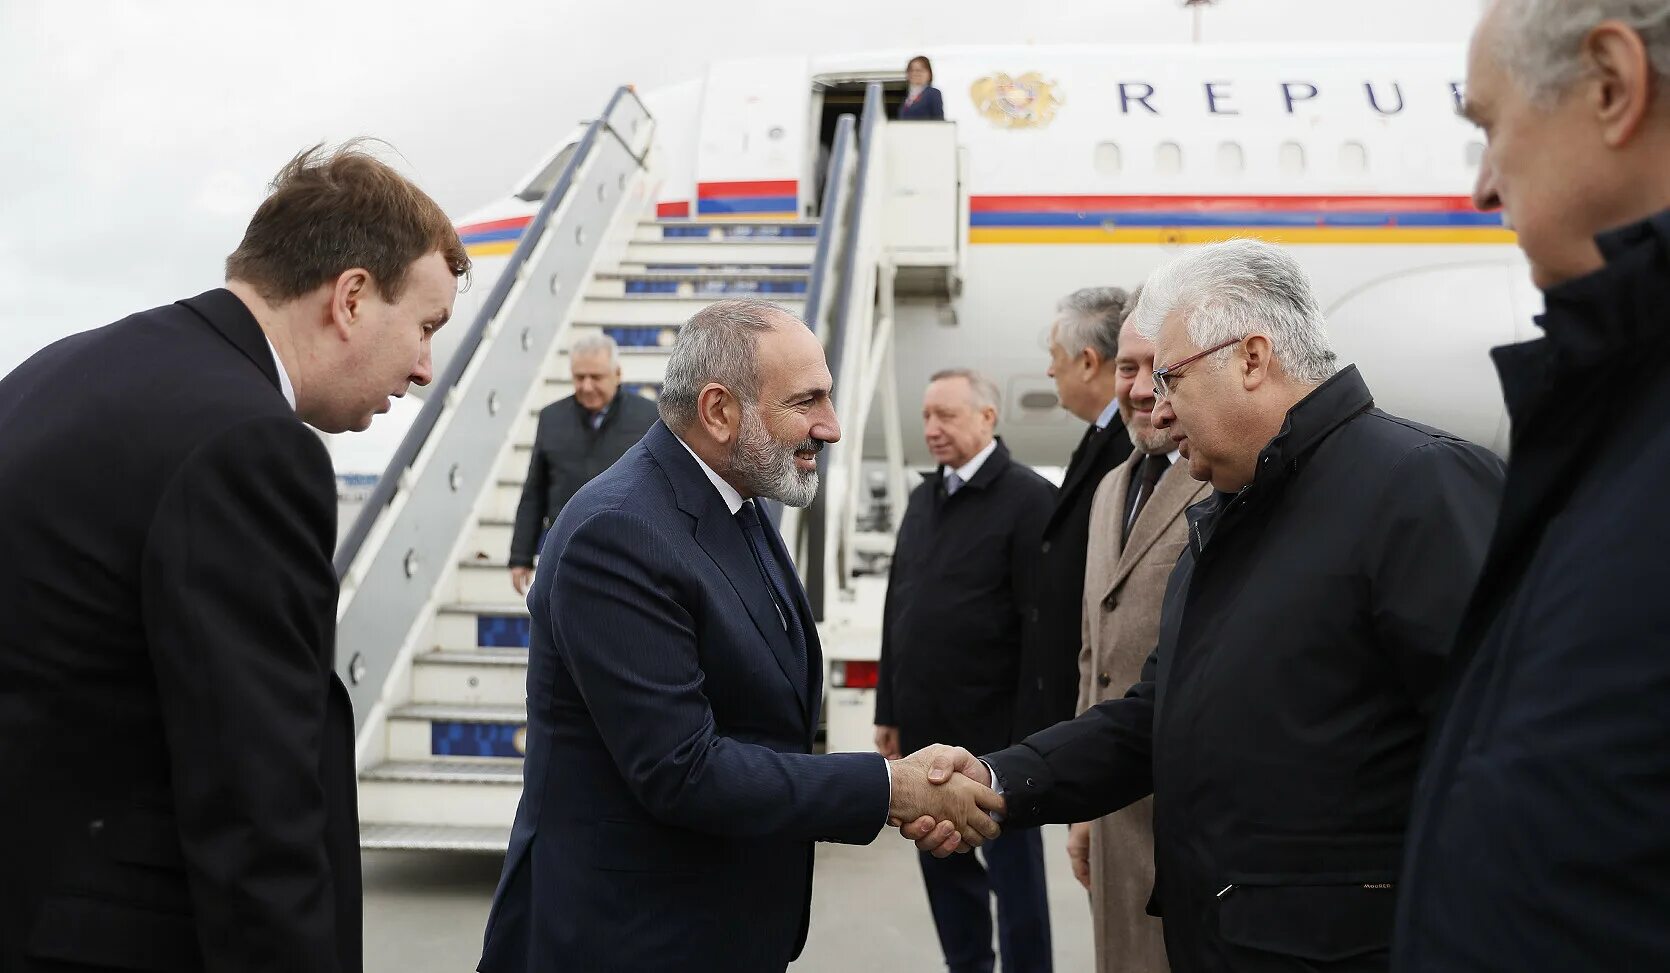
(922, 100)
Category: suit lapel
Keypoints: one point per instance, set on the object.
(721, 537)
(1172, 495)
(1078, 469)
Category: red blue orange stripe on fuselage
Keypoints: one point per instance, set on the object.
(1205, 219)
(1121, 219)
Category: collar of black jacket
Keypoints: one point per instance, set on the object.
(1614, 314)
(227, 314)
(1328, 406)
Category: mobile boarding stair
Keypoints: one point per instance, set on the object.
(431, 637)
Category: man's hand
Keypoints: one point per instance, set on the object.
(927, 789)
(887, 741)
(941, 838)
(1078, 851)
(521, 579)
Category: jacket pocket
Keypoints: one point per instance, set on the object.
(643, 846)
(120, 935)
(1321, 918)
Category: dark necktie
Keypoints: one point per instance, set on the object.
(776, 583)
(1149, 471)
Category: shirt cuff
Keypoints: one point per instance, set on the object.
(997, 783)
(887, 812)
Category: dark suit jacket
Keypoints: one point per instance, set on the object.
(929, 107)
(671, 798)
(567, 453)
(1280, 721)
(958, 594)
(176, 751)
(1048, 687)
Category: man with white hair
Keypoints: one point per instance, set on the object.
(1280, 721)
(578, 437)
(1538, 839)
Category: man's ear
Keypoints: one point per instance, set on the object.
(1255, 365)
(716, 410)
(1622, 84)
(347, 300)
(1092, 360)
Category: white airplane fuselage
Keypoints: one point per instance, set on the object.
(1091, 165)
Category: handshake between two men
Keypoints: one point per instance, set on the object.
(943, 800)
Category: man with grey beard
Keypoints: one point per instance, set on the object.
(671, 797)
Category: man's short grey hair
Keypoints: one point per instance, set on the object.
(1540, 41)
(592, 344)
(984, 389)
(1237, 288)
(717, 345)
(1090, 319)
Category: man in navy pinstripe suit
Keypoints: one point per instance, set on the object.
(671, 799)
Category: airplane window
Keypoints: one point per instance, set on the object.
(547, 178)
(1475, 154)
(1353, 158)
(1231, 159)
(1109, 160)
(1291, 159)
(1168, 159)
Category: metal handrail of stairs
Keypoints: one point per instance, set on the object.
(822, 299)
(405, 538)
(844, 284)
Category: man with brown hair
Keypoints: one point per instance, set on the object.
(176, 748)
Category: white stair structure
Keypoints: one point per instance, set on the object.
(431, 637)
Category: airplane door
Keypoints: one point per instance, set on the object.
(754, 132)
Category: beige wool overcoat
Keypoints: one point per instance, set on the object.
(1124, 585)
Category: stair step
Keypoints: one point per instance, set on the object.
(424, 731)
(712, 287)
(480, 794)
(638, 339)
(434, 837)
(494, 677)
(716, 267)
(487, 582)
(492, 537)
(721, 253)
(446, 772)
(492, 627)
(665, 309)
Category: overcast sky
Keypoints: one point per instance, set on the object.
(137, 136)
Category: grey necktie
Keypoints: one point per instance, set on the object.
(953, 483)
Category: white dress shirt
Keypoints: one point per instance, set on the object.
(283, 376)
(966, 471)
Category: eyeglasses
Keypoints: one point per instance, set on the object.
(1166, 374)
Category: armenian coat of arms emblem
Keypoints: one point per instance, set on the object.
(1026, 101)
